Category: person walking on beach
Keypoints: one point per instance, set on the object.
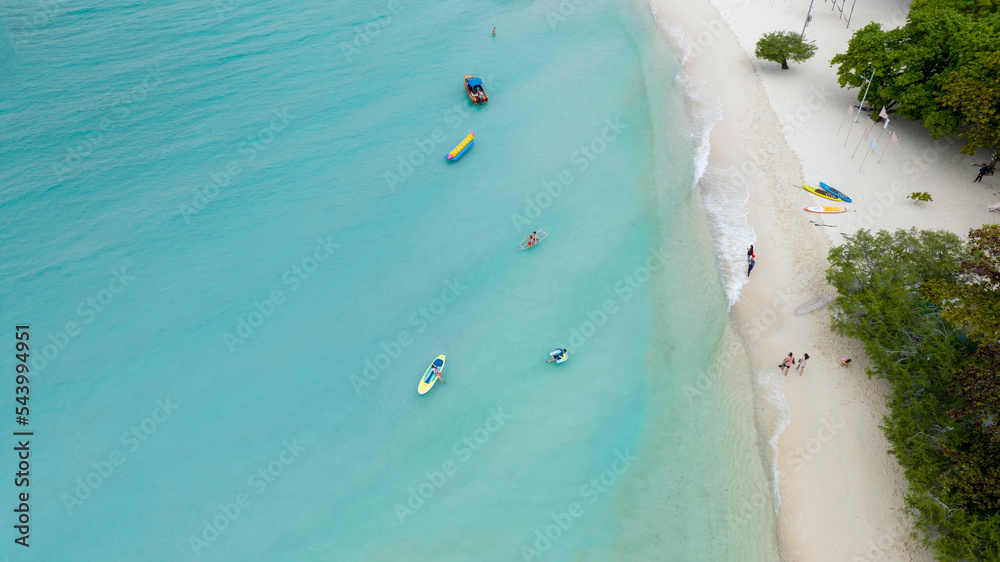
(787, 363)
(982, 172)
(750, 254)
(802, 364)
(750, 266)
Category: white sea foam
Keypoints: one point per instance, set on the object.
(724, 195)
(770, 391)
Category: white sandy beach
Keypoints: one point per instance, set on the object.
(841, 491)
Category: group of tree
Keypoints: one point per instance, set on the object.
(942, 67)
(926, 305)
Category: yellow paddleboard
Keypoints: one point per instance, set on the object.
(429, 378)
(822, 193)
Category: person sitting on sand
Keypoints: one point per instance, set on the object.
(845, 362)
(787, 363)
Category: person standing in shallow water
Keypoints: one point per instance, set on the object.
(750, 266)
(787, 363)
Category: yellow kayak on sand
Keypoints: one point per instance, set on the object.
(430, 376)
(821, 192)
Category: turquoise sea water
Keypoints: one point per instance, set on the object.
(237, 242)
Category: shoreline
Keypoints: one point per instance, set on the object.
(838, 492)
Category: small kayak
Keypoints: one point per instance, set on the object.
(826, 209)
(835, 192)
(542, 235)
(821, 192)
(462, 147)
(429, 378)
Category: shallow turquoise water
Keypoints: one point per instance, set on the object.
(238, 244)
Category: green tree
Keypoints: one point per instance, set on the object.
(942, 67)
(972, 302)
(784, 46)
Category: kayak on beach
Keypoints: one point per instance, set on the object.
(834, 192)
(821, 192)
(826, 209)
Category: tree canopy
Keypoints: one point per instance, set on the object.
(925, 305)
(941, 67)
(784, 46)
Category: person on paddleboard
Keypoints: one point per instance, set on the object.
(557, 355)
(533, 239)
(436, 371)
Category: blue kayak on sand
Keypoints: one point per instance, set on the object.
(834, 192)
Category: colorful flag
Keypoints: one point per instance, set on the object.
(874, 144)
(883, 114)
(850, 110)
(866, 132)
(893, 139)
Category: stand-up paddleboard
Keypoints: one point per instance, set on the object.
(822, 193)
(462, 147)
(826, 209)
(543, 233)
(429, 378)
(834, 192)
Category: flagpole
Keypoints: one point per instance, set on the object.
(865, 158)
(892, 140)
(859, 144)
(862, 106)
(883, 153)
(850, 111)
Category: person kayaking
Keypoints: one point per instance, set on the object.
(558, 354)
(436, 371)
(533, 239)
